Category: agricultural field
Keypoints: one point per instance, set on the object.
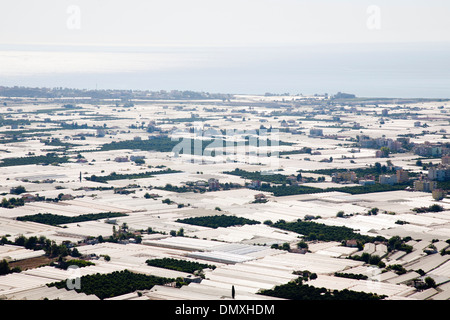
(274, 198)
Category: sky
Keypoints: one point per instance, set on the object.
(211, 44)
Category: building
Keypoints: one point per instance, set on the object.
(122, 191)
(402, 176)
(342, 95)
(292, 180)
(366, 142)
(366, 182)
(298, 250)
(213, 184)
(255, 184)
(439, 173)
(340, 177)
(67, 197)
(121, 159)
(134, 158)
(428, 150)
(27, 197)
(100, 133)
(351, 243)
(438, 194)
(260, 196)
(436, 151)
(388, 179)
(445, 160)
(201, 184)
(393, 145)
(425, 185)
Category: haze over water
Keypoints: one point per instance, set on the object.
(385, 49)
(390, 70)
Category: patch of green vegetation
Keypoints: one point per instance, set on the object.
(120, 176)
(283, 190)
(166, 144)
(319, 231)
(285, 246)
(74, 262)
(17, 190)
(55, 219)
(6, 269)
(179, 265)
(399, 269)
(397, 243)
(351, 276)
(50, 158)
(261, 176)
(218, 221)
(296, 290)
(444, 185)
(10, 122)
(370, 259)
(12, 203)
(375, 170)
(114, 284)
(279, 191)
(193, 119)
(161, 144)
(369, 189)
(57, 143)
(300, 151)
(433, 208)
(169, 187)
(42, 243)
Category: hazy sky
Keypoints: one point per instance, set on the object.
(390, 48)
(222, 22)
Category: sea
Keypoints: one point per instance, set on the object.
(391, 70)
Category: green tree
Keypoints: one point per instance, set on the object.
(18, 190)
(385, 151)
(138, 239)
(20, 241)
(4, 267)
(75, 253)
(374, 260)
(302, 245)
(30, 243)
(430, 282)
